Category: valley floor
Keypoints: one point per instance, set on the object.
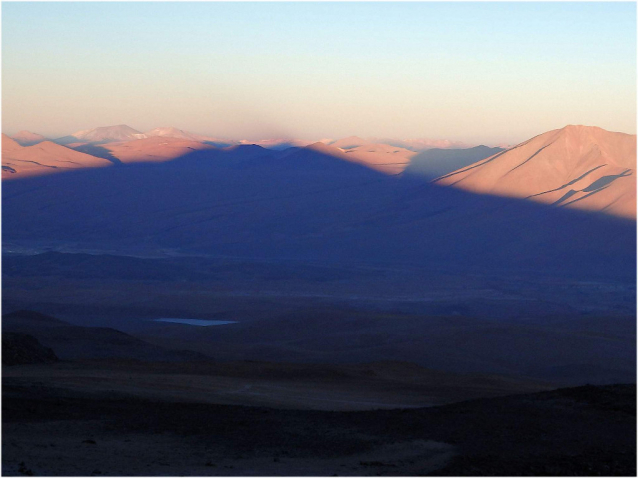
(324, 370)
(588, 430)
(369, 386)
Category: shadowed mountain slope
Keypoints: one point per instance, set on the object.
(70, 342)
(20, 349)
(309, 204)
(577, 166)
(27, 138)
(432, 163)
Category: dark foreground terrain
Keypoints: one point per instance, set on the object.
(589, 430)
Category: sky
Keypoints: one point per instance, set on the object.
(474, 72)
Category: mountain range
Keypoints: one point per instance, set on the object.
(105, 134)
(43, 158)
(325, 203)
(576, 166)
(119, 133)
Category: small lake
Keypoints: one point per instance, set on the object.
(197, 322)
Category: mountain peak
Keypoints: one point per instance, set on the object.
(163, 130)
(27, 138)
(576, 166)
(172, 132)
(120, 132)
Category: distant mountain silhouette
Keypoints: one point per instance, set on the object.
(26, 138)
(103, 134)
(171, 132)
(414, 145)
(432, 163)
(277, 144)
(577, 166)
(423, 144)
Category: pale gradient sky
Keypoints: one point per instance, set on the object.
(472, 72)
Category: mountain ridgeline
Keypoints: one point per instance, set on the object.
(324, 203)
(576, 166)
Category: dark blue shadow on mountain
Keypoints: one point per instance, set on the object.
(99, 151)
(64, 140)
(282, 146)
(573, 181)
(219, 144)
(480, 163)
(606, 181)
(300, 204)
(564, 197)
(597, 186)
(433, 163)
